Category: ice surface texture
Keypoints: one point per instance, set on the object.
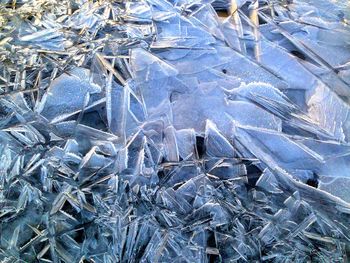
(157, 131)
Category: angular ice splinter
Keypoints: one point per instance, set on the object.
(67, 95)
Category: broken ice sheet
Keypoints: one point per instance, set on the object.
(67, 95)
(158, 133)
(46, 39)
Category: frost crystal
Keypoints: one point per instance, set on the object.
(159, 131)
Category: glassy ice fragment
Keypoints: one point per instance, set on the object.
(216, 144)
(67, 95)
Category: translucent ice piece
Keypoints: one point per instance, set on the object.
(67, 95)
(270, 146)
(186, 140)
(216, 145)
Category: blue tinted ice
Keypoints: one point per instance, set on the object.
(163, 131)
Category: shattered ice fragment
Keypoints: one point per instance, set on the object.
(67, 95)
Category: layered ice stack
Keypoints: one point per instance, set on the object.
(157, 131)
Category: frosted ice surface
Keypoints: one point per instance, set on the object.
(67, 95)
(157, 131)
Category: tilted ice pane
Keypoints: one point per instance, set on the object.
(270, 146)
(337, 186)
(147, 67)
(216, 145)
(179, 31)
(67, 95)
(265, 120)
(319, 102)
(186, 140)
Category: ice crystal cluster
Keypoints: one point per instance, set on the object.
(159, 131)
